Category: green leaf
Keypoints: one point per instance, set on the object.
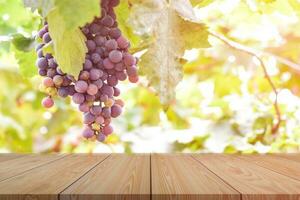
(23, 43)
(69, 44)
(123, 12)
(26, 61)
(76, 13)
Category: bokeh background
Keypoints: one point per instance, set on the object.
(224, 103)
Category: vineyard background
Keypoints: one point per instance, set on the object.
(224, 103)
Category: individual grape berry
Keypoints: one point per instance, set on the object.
(106, 112)
(42, 63)
(51, 72)
(84, 107)
(84, 75)
(88, 64)
(90, 98)
(96, 58)
(48, 82)
(88, 118)
(58, 80)
(92, 89)
(115, 33)
(109, 103)
(132, 70)
(122, 42)
(78, 98)
(107, 21)
(96, 110)
(63, 92)
(116, 110)
(99, 120)
(117, 92)
(108, 64)
(95, 74)
(121, 76)
(111, 45)
(115, 56)
(81, 86)
(107, 130)
(129, 60)
(101, 137)
(98, 83)
(47, 102)
(46, 37)
(108, 90)
(133, 79)
(100, 41)
(88, 133)
(91, 45)
(52, 63)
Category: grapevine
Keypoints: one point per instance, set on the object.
(95, 90)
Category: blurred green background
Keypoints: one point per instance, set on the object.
(224, 103)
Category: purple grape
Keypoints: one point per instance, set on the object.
(129, 60)
(101, 137)
(88, 133)
(98, 83)
(108, 64)
(84, 75)
(46, 37)
(95, 74)
(96, 110)
(122, 42)
(107, 21)
(115, 33)
(52, 63)
(63, 92)
(94, 29)
(47, 102)
(132, 70)
(121, 76)
(88, 64)
(81, 86)
(115, 56)
(88, 118)
(112, 81)
(91, 45)
(116, 110)
(107, 90)
(95, 58)
(100, 41)
(92, 89)
(117, 92)
(84, 107)
(106, 112)
(111, 45)
(107, 130)
(90, 98)
(78, 98)
(42, 63)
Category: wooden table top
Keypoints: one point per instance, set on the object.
(149, 176)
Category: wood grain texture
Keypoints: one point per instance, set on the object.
(9, 156)
(47, 181)
(253, 181)
(17, 166)
(278, 164)
(290, 156)
(182, 177)
(118, 177)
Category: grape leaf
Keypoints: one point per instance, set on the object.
(69, 44)
(23, 43)
(174, 30)
(26, 61)
(77, 13)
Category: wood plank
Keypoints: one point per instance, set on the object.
(182, 177)
(9, 156)
(44, 183)
(15, 167)
(252, 181)
(281, 165)
(120, 176)
(290, 156)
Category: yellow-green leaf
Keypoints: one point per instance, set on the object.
(69, 44)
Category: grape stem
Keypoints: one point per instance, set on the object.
(257, 54)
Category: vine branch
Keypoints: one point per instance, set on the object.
(257, 54)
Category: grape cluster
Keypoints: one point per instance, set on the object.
(95, 90)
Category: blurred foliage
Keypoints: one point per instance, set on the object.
(223, 103)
